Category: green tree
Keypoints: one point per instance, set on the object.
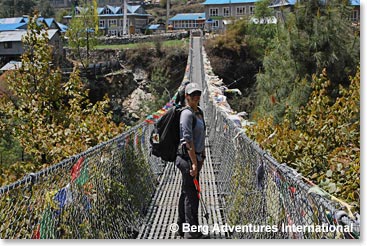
(314, 37)
(260, 35)
(10, 151)
(82, 31)
(275, 85)
(49, 118)
(159, 87)
(323, 37)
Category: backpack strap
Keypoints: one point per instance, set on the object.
(202, 114)
(194, 118)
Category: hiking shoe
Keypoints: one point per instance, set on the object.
(179, 234)
(197, 235)
(204, 236)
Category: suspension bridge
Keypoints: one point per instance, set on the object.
(118, 190)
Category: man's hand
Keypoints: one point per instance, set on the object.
(194, 171)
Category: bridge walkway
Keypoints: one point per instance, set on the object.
(163, 210)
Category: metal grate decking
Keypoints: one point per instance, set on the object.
(163, 208)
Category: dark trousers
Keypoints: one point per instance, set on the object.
(188, 205)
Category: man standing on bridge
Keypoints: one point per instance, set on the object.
(190, 159)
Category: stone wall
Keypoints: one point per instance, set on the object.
(142, 38)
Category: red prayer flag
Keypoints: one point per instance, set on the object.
(36, 233)
(75, 170)
(149, 121)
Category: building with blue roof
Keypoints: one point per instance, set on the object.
(356, 12)
(187, 21)
(63, 28)
(11, 43)
(50, 22)
(12, 27)
(69, 3)
(156, 28)
(355, 2)
(20, 23)
(111, 19)
(219, 13)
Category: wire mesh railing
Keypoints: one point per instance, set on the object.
(262, 198)
(101, 193)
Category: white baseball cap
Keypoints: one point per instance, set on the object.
(190, 88)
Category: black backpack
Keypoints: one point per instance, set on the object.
(165, 136)
(180, 96)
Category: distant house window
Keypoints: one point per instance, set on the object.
(112, 23)
(355, 15)
(216, 24)
(193, 24)
(107, 11)
(101, 23)
(252, 10)
(240, 11)
(226, 11)
(112, 33)
(8, 45)
(213, 12)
